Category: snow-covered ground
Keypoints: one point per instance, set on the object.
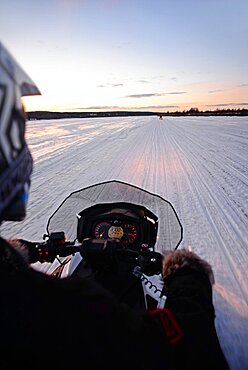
(200, 164)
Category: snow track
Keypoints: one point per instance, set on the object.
(199, 164)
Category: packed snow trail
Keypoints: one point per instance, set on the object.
(198, 163)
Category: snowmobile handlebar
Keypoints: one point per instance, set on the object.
(56, 246)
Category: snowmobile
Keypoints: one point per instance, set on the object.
(115, 233)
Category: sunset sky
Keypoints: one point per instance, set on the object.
(157, 55)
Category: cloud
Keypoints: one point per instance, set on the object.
(110, 85)
(214, 91)
(109, 107)
(144, 81)
(149, 95)
(225, 104)
(242, 85)
(176, 93)
(142, 95)
(158, 107)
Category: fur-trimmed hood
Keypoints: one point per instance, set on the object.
(13, 256)
(176, 260)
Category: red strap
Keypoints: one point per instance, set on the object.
(172, 330)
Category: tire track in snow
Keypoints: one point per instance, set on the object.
(200, 184)
(234, 279)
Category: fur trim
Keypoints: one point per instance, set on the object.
(175, 260)
(21, 248)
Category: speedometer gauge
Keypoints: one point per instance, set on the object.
(101, 230)
(130, 233)
(126, 233)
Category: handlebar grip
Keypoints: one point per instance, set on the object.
(47, 252)
(149, 261)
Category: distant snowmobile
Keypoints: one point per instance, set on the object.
(119, 233)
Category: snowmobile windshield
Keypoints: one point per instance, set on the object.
(65, 218)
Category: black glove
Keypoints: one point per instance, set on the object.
(151, 263)
(26, 248)
(32, 249)
(37, 251)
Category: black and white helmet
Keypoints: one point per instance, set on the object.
(15, 158)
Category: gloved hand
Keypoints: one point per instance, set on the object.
(34, 251)
(32, 248)
(151, 263)
(26, 248)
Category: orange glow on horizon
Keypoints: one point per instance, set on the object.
(202, 96)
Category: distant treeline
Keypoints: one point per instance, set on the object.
(190, 112)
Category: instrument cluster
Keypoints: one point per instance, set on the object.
(126, 232)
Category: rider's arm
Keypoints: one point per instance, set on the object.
(188, 283)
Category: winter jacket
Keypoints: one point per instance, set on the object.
(72, 323)
(189, 298)
(50, 323)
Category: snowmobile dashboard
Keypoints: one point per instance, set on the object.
(121, 212)
(132, 225)
(115, 228)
